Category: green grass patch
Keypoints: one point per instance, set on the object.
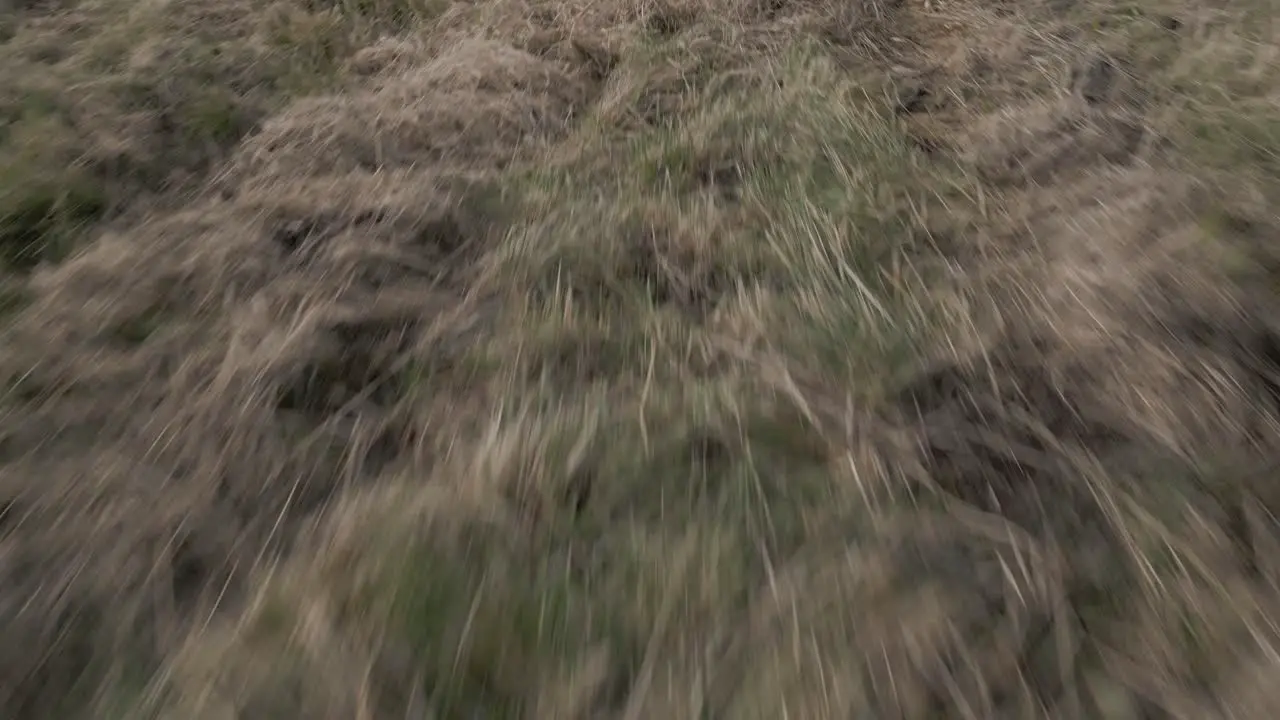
(640, 527)
(787, 203)
(43, 218)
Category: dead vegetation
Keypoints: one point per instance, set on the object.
(554, 359)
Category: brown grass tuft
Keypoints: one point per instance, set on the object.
(472, 107)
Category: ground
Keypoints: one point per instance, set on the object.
(639, 359)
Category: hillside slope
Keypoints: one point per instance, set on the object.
(639, 359)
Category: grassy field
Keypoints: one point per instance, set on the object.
(636, 359)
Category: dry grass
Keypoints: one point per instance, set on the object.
(561, 359)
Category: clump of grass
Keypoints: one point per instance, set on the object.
(782, 203)
(156, 100)
(557, 571)
(486, 626)
(48, 198)
(674, 459)
(658, 496)
(394, 16)
(41, 220)
(1210, 73)
(12, 297)
(640, 478)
